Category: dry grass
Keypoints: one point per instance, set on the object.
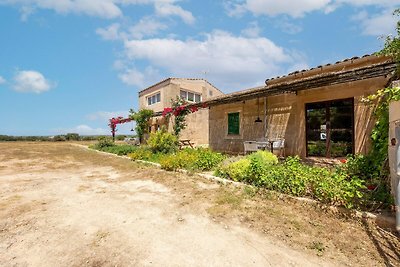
(304, 226)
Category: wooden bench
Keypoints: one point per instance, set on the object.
(185, 143)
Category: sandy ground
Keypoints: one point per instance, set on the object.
(61, 205)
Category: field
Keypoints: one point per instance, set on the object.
(63, 205)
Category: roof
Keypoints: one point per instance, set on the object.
(174, 78)
(347, 70)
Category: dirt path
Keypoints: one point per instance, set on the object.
(61, 205)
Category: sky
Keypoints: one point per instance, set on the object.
(70, 65)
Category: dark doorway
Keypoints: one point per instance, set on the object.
(330, 128)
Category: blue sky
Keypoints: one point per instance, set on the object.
(70, 65)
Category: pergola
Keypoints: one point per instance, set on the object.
(115, 121)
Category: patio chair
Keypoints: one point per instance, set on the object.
(250, 146)
(279, 145)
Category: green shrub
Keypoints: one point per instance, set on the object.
(120, 137)
(72, 137)
(119, 149)
(374, 177)
(295, 178)
(199, 159)
(207, 159)
(181, 160)
(104, 141)
(239, 170)
(162, 142)
(264, 157)
(142, 153)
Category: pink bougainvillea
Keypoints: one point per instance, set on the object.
(115, 121)
(179, 110)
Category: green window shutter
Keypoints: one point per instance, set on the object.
(233, 123)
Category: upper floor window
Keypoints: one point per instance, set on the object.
(190, 97)
(153, 99)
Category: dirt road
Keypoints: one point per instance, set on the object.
(61, 205)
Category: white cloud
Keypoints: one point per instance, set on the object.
(83, 129)
(108, 9)
(382, 3)
(111, 32)
(2, 80)
(231, 61)
(132, 76)
(381, 24)
(106, 115)
(297, 8)
(288, 27)
(253, 30)
(102, 8)
(146, 27)
(166, 9)
(26, 11)
(30, 81)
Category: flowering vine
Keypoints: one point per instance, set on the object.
(180, 109)
(115, 121)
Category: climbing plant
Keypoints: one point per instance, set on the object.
(141, 118)
(179, 109)
(380, 132)
(392, 43)
(377, 160)
(383, 97)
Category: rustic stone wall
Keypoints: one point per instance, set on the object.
(285, 117)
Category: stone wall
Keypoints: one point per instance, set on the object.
(285, 117)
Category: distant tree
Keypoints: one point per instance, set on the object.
(120, 137)
(58, 138)
(72, 137)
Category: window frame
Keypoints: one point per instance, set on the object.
(327, 105)
(235, 132)
(153, 99)
(184, 94)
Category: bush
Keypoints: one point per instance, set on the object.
(162, 142)
(237, 171)
(206, 159)
(264, 157)
(295, 178)
(104, 141)
(141, 153)
(120, 137)
(184, 159)
(72, 137)
(120, 149)
(200, 159)
(366, 168)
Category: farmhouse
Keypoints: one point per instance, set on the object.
(158, 96)
(316, 112)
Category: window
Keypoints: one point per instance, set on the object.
(330, 130)
(153, 99)
(190, 97)
(183, 95)
(233, 123)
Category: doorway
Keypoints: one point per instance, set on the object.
(330, 128)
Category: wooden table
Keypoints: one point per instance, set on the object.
(185, 143)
